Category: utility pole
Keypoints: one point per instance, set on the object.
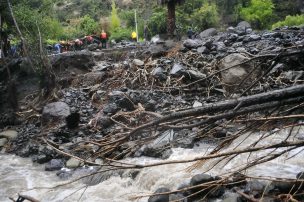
(136, 26)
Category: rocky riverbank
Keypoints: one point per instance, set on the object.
(102, 94)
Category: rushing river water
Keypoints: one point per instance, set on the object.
(19, 175)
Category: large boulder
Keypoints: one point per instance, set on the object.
(232, 77)
(79, 60)
(190, 43)
(208, 33)
(9, 134)
(55, 112)
(243, 25)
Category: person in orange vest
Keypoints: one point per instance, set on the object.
(103, 37)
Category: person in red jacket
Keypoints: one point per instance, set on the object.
(103, 37)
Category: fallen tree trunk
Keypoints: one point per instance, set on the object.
(234, 104)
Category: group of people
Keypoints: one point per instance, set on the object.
(79, 44)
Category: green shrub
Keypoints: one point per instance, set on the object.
(115, 21)
(120, 34)
(157, 23)
(290, 21)
(259, 13)
(205, 17)
(88, 25)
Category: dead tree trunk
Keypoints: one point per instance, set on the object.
(171, 18)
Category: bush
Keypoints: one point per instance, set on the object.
(205, 17)
(88, 25)
(120, 34)
(157, 23)
(290, 21)
(259, 13)
(115, 21)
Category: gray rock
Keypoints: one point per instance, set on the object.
(292, 75)
(190, 43)
(3, 141)
(111, 108)
(177, 197)
(56, 111)
(230, 29)
(73, 163)
(233, 197)
(9, 134)
(243, 25)
(200, 179)
(203, 50)
(177, 70)
(208, 33)
(195, 75)
(254, 37)
(220, 46)
(197, 104)
(92, 47)
(138, 62)
(155, 39)
(255, 186)
(231, 77)
(54, 164)
(121, 100)
(159, 73)
(157, 50)
(160, 198)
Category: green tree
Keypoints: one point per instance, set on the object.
(171, 4)
(115, 21)
(88, 25)
(206, 16)
(259, 13)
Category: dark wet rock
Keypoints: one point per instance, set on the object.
(205, 178)
(243, 25)
(300, 175)
(64, 174)
(72, 121)
(208, 33)
(79, 60)
(200, 179)
(157, 50)
(178, 197)
(159, 73)
(160, 198)
(255, 187)
(104, 121)
(90, 79)
(177, 70)
(121, 100)
(190, 43)
(42, 158)
(111, 108)
(283, 187)
(54, 164)
(56, 111)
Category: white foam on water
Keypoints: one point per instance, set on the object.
(18, 174)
